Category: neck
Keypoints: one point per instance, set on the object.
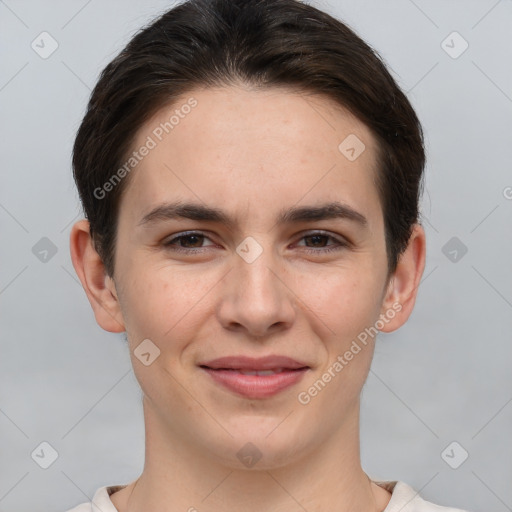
(178, 475)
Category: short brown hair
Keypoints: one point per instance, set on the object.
(264, 43)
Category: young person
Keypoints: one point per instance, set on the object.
(250, 174)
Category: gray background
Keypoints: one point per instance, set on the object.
(444, 377)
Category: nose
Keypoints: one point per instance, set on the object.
(256, 298)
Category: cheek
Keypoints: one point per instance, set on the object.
(346, 303)
(345, 299)
(158, 303)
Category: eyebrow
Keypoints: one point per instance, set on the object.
(200, 212)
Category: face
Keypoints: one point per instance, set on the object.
(259, 267)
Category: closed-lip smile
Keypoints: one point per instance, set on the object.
(252, 377)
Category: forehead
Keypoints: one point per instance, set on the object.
(253, 151)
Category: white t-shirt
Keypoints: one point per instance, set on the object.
(403, 499)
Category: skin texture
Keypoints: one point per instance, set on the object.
(251, 153)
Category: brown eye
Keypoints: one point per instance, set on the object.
(318, 242)
(188, 242)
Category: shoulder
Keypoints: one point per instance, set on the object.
(405, 499)
(101, 501)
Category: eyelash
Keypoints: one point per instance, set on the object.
(171, 245)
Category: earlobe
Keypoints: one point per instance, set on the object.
(403, 286)
(98, 286)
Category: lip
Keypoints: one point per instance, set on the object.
(251, 363)
(256, 386)
(226, 372)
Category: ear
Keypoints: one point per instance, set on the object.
(402, 288)
(99, 287)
